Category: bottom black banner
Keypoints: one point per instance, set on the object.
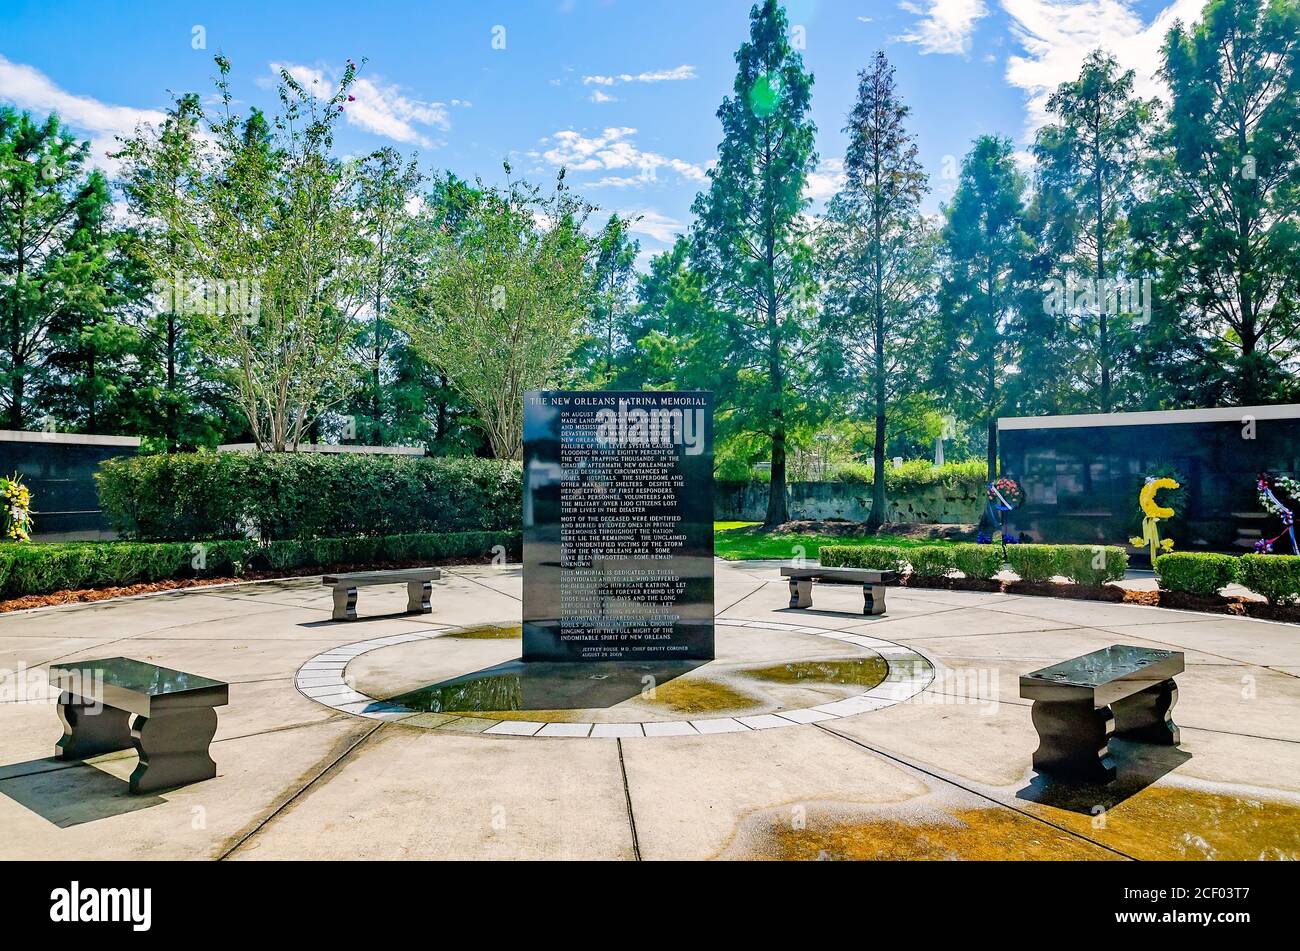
(140, 902)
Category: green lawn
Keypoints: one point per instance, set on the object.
(742, 541)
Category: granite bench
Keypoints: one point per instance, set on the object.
(1079, 704)
(168, 716)
(873, 585)
(418, 581)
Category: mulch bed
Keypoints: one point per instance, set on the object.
(1219, 604)
(84, 595)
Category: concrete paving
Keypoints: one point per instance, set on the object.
(943, 775)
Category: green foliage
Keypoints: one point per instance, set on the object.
(1219, 224)
(931, 561)
(1276, 577)
(878, 557)
(987, 249)
(305, 495)
(877, 255)
(750, 247)
(500, 309)
(1090, 564)
(977, 561)
(1090, 157)
(42, 569)
(1194, 572)
(1033, 562)
(917, 474)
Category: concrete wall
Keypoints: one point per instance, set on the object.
(935, 504)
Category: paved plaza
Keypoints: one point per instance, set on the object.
(815, 734)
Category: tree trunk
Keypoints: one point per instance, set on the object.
(173, 434)
(993, 448)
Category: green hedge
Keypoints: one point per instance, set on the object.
(977, 561)
(1197, 572)
(40, 569)
(878, 557)
(1033, 562)
(1091, 564)
(931, 561)
(305, 495)
(1276, 577)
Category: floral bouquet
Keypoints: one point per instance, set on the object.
(15, 509)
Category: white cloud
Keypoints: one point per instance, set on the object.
(825, 180)
(598, 96)
(652, 224)
(945, 25)
(613, 150)
(28, 88)
(379, 107)
(1057, 35)
(655, 76)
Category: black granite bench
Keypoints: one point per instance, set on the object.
(873, 585)
(418, 581)
(118, 703)
(1081, 703)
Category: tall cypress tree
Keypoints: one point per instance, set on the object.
(1089, 163)
(749, 241)
(877, 256)
(1221, 225)
(983, 295)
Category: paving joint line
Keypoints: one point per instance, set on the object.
(627, 796)
(294, 798)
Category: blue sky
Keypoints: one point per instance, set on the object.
(624, 92)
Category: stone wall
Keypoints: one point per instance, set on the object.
(931, 504)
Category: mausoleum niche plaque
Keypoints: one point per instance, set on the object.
(618, 526)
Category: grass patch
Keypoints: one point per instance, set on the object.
(745, 541)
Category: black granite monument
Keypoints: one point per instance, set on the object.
(618, 526)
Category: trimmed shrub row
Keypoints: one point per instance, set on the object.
(1275, 577)
(305, 495)
(1083, 564)
(41, 569)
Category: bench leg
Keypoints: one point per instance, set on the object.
(91, 728)
(173, 749)
(1148, 716)
(1073, 740)
(873, 599)
(345, 604)
(417, 597)
(800, 593)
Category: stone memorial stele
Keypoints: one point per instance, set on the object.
(618, 526)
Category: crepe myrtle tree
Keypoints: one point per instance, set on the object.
(504, 292)
(276, 211)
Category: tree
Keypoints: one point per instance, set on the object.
(750, 241)
(90, 346)
(161, 178)
(613, 284)
(46, 262)
(987, 251)
(504, 294)
(1221, 227)
(385, 187)
(1089, 163)
(278, 226)
(877, 255)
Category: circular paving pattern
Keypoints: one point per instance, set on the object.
(322, 679)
